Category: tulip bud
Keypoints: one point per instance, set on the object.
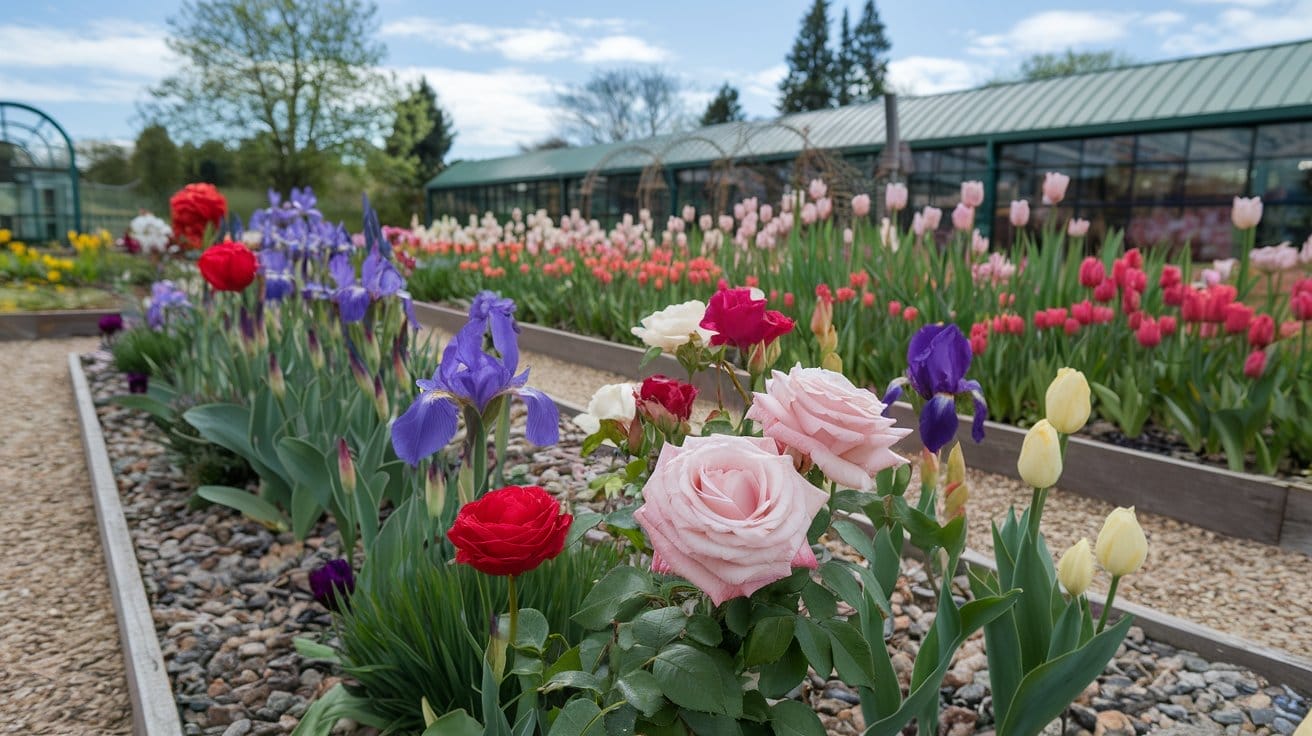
(832, 362)
(1067, 401)
(829, 341)
(276, 381)
(1075, 569)
(434, 491)
(345, 468)
(955, 497)
(1040, 456)
(928, 469)
(956, 465)
(1121, 546)
(822, 318)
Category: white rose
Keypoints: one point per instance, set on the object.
(612, 401)
(674, 326)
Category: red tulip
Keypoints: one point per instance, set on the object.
(1072, 326)
(1092, 272)
(1105, 291)
(1262, 332)
(228, 266)
(1255, 364)
(1238, 317)
(1167, 324)
(1149, 334)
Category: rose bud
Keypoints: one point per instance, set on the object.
(1040, 456)
(1067, 401)
(1075, 569)
(666, 402)
(1121, 546)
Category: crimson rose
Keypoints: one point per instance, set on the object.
(228, 266)
(739, 318)
(192, 208)
(666, 401)
(509, 531)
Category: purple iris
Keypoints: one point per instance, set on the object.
(469, 376)
(138, 383)
(165, 296)
(937, 361)
(278, 279)
(110, 323)
(378, 278)
(332, 584)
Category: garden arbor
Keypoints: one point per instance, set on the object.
(39, 198)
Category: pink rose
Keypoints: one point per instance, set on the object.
(729, 514)
(819, 414)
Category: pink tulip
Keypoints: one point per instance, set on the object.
(824, 207)
(861, 205)
(1247, 212)
(817, 188)
(1020, 213)
(918, 225)
(809, 214)
(847, 236)
(767, 213)
(689, 213)
(706, 222)
(895, 196)
(933, 216)
(726, 223)
(1077, 228)
(1054, 187)
(979, 245)
(888, 234)
(963, 217)
(1275, 258)
(739, 211)
(972, 193)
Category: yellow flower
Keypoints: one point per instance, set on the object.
(53, 276)
(5, 235)
(1121, 546)
(1067, 401)
(1040, 456)
(1075, 569)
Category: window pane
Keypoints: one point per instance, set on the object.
(1098, 184)
(1158, 182)
(1162, 146)
(1218, 179)
(1286, 139)
(1285, 222)
(1283, 179)
(1109, 149)
(1059, 155)
(1019, 155)
(977, 157)
(1229, 144)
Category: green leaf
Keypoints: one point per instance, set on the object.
(652, 353)
(1033, 610)
(704, 630)
(642, 691)
(583, 521)
(149, 404)
(1048, 689)
(699, 680)
(603, 602)
(814, 642)
(314, 650)
(306, 510)
(1066, 633)
(791, 718)
(778, 678)
(247, 503)
(532, 630)
(852, 657)
(455, 723)
(768, 640)
(659, 627)
(572, 678)
(579, 716)
(820, 603)
(337, 704)
(857, 538)
(307, 466)
(710, 724)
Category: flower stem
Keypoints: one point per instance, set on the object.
(1036, 510)
(514, 609)
(1107, 606)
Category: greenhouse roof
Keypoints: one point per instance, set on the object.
(1271, 82)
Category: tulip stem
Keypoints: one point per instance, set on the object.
(1107, 605)
(514, 608)
(1036, 510)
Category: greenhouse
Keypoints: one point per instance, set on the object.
(38, 175)
(1156, 149)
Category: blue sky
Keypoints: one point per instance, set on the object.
(496, 64)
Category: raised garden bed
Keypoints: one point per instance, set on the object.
(1269, 510)
(50, 324)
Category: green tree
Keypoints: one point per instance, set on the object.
(870, 47)
(422, 129)
(809, 84)
(211, 162)
(301, 72)
(103, 162)
(724, 107)
(156, 164)
(1046, 66)
(844, 64)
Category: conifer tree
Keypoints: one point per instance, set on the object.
(870, 47)
(724, 107)
(809, 84)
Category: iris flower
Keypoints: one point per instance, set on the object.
(378, 278)
(164, 296)
(278, 280)
(471, 378)
(937, 361)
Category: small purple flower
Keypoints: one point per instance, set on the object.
(332, 584)
(165, 296)
(110, 324)
(138, 383)
(937, 361)
(278, 279)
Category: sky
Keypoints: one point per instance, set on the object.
(497, 65)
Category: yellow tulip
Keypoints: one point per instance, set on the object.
(1075, 569)
(1067, 401)
(1121, 547)
(1040, 456)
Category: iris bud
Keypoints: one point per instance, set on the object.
(1121, 546)
(1040, 456)
(345, 468)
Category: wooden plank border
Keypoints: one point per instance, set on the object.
(154, 710)
(1237, 504)
(63, 323)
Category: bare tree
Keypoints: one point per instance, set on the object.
(621, 104)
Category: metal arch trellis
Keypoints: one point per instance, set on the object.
(22, 125)
(598, 171)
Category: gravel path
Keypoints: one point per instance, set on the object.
(61, 671)
(1245, 588)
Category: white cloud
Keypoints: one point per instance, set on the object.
(110, 46)
(589, 40)
(630, 49)
(89, 90)
(1055, 30)
(1163, 19)
(492, 110)
(928, 75)
(1237, 27)
(1243, 3)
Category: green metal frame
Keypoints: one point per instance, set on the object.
(73, 175)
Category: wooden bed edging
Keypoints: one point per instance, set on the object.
(154, 710)
(56, 323)
(1268, 510)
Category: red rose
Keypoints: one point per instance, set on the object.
(741, 320)
(510, 530)
(228, 266)
(194, 207)
(666, 401)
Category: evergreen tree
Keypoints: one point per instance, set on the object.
(808, 85)
(870, 46)
(724, 108)
(845, 65)
(156, 164)
(423, 130)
